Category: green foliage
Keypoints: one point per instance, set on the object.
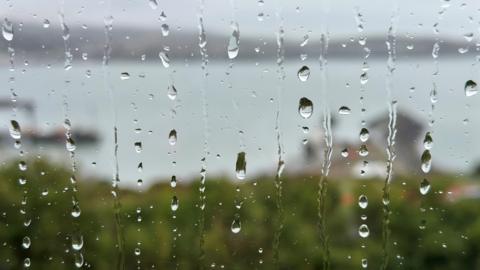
(451, 239)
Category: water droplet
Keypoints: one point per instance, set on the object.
(363, 231)
(137, 252)
(468, 36)
(364, 263)
(165, 59)
(344, 110)
(428, 141)
(364, 135)
(22, 166)
(435, 50)
(173, 181)
(236, 224)
(172, 92)
(79, 260)
(305, 107)
(303, 73)
(426, 160)
(424, 187)
(26, 242)
(344, 153)
(364, 78)
(77, 241)
(470, 88)
(172, 137)
(363, 201)
(153, 4)
(174, 204)
(76, 211)
(14, 130)
(27, 262)
(165, 29)
(124, 76)
(46, 23)
(363, 151)
(70, 144)
(138, 147)
(7, 30)
(234, 42)
(241, 166)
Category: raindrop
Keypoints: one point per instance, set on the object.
(172, 92)
(241, 166)
(234, 42)
(76, 211)
(173, 181)
(22, 166)
(46, 23)
(26, 242)
(236, 224)
(137, 252)
(77, 241)
(70, 144)
(153, 4)
(14, 130)
(303, 73)
(27, 262)
(344, 110)
(435, 50)
(7, 30)
(124, 76)
(364, 78)
(165, 59)
(426, 160)
(363, 151)
(428, 141)
(470, 88)
(468, 36)
(424, 187)
(305, 107)
(363, 231)
(165, 29)
(79, 260)
(172, 137)
(364, 135)
(364, 263)
(174, 204)
(138, 147)
(344, 153)
(363, 201)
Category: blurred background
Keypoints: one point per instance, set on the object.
(74, 72)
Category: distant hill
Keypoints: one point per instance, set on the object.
(35, 43)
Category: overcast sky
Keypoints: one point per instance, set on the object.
(300, 16)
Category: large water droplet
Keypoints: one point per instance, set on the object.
(172, 137)
(124, 76)
(234, 42)
(470, 88)
(344, 110)
(138, 147)
(153, 4)
(77, 241)
(364, 135)
(303, 73)
(173, 181)
(79, 260)
(164, 58)
(424, 187)
(363, 201)
(236, 224)
(363, 231)
(70, 144)
(426, 160)
(241, 166)
(7, 30)
(26, 242)
(428, 141)
(14, 130)
(165, 29)
(174, 204)
(305, 107)
(172, 92)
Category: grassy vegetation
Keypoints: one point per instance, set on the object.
(451, 239)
